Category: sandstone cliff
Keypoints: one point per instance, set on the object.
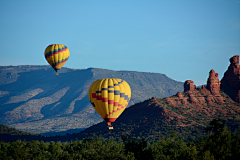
(230, 82)
(208, 101)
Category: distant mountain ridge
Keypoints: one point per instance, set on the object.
(34, 99)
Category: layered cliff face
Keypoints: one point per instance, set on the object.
(200, 103)
(200, 98)
(211, 95)
(208, 102)
(230, 82)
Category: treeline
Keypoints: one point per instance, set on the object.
(220, 143)
(8, 134)
(4, 129)
(151, 130)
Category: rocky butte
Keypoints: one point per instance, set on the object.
(207, 95)
(230, 83)
(209, 99)
(203, 103)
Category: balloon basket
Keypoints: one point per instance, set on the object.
(110, 127)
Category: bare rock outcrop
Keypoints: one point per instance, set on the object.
(207, 101)
(189, 86)
(230, 82)
(179, 95)
(213, 83)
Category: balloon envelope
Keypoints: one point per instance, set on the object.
(109, 97)
(57, 55)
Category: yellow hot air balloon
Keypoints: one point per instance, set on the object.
(109, 97)
(57, 55)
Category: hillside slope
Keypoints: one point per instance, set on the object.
(187, 112)
(159, 117)
(34, 99)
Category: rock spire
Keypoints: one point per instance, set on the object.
(213, 83)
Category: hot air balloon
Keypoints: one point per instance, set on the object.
(109, 97)
(57, 55)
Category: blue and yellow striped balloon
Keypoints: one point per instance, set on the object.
(109, 97)
(57, 55)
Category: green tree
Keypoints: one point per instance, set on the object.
(215, 126)
(139, 149)
(55, 149)
(219, 144)
(173, 148)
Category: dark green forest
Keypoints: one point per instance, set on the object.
(219, 143)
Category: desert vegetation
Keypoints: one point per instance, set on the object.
(219, 143)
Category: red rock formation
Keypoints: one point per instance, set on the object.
(153, 98)
(205, 91)
(193, 99)
(189, 86)
(201, 100)
(213, 83)
(231, 79)
(180, 95)
(238, 96)
(170, 101)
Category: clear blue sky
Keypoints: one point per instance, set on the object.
(183, 39)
